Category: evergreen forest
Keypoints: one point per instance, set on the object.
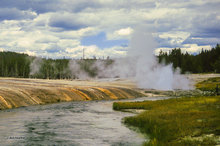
(207, 61)
(24, 66)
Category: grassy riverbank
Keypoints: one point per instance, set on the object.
(178, 121)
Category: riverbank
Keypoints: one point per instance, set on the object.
(18, 92)
(181, 121)
(191, 120)
(79, 123)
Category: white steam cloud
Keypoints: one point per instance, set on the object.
(35, 65)
(140, 64)
(149, 73)
(76, 70)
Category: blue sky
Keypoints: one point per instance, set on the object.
(101, 41)
(57, 28)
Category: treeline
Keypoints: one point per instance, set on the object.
(65, 68)
(14, 64)
(49, 68)
(21, 65)
(207, 61)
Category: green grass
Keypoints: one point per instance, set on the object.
(180, 121)
(183, 121)
(209, 84)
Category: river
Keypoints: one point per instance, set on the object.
(91, 123)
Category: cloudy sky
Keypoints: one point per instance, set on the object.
(58, 28)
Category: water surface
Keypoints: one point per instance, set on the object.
(70, 123)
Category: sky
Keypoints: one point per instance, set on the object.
(63, 28)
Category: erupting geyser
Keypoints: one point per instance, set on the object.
(149, 73)
(140, 64)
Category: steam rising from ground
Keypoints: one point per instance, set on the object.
(140, 65)
(35, 66)
(149, 73)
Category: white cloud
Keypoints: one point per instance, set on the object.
(124, 31)
(91, 51)
(175, 37)
(66, 43)
(55, 28)
(30, 53)
(194, 48)
(190, 48)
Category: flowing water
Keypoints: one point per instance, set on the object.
(70, 123)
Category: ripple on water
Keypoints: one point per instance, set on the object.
(71, 123)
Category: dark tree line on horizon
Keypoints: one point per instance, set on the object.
(14, 64)
(207, 61)
(21, 65)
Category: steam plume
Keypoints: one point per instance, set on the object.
(139, 64)
(35, 65)
(149, 73)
